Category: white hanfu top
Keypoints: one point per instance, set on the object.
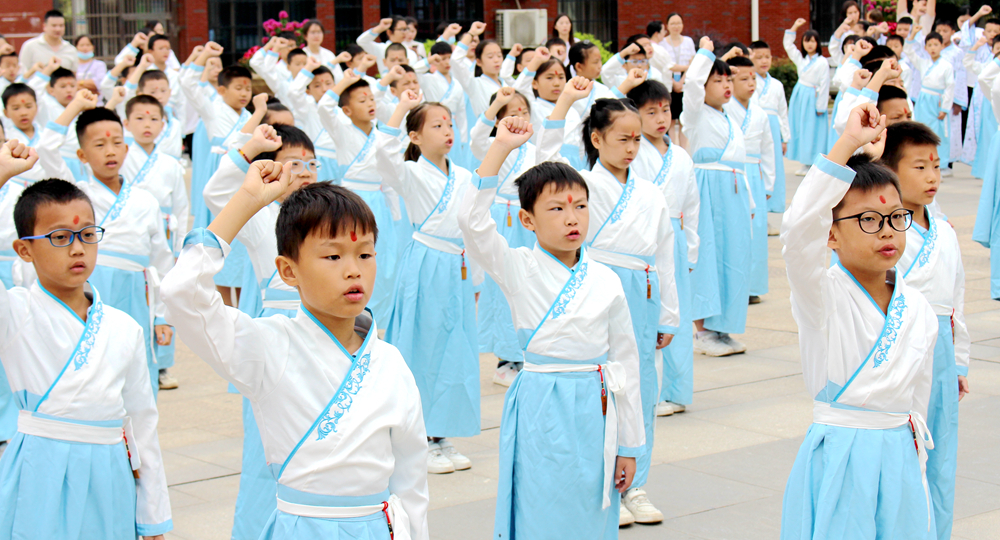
(814, 71)
(770, 95)
(162, 176)
(673, 173)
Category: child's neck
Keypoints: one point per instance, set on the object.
(569, 258)
(73, 297)
(342, 329)
(148, 146)
(659, 142)
(744, 102)
(763, 75)
(919, 214)
(716, 107)
(440, 160)
(363, 125)
(620, 174)
(113, 182)
(875, 282)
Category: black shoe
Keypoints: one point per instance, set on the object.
(754, 300)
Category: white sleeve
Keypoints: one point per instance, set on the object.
(107, 86)
(390, 164)
(793, 52)
(613, 71)
(948, 96)
(191, 86)
(462, 68)
(479, 137)
(690, 217)
(299, 100)
(551, 141)
(264, 63)
(670, 316)
(694, 87)
(53, 136)
(180, 207)
(127, 49)
(523, 85)
(161, 257)
(623, 350)
(483, 243)
(328, 110)
(767, 156)
(225, 182)
(835, 47)
(852, 99)
(409, 452)
(823, 92)
(786, 131)
(963, 342)
(507, 70)
(367, 43)
(661, 61)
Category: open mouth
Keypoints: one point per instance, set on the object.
(111, 164)
(78, 268)
(728, 94)
(661, 129)
(355, 294)
(888, 250)
(573, 235)
(449, 143)
(931, 192)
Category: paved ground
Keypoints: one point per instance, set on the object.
(719, 469)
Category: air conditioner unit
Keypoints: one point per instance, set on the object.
(529, 27)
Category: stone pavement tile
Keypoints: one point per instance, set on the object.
(209, 521)
(754, 520)
(710, 373)
(476, 484)
(765, 465)
(983, 326)
(984, 378)
(225, 452)
(973, 497)
(788, 353)
(985, 352)
(984, 526)
(782, 417)
(685, 436)
(491, 410)
(744, 393)
(182, 469)
(179, 499)
(214, 489)
(762, 338)
(469, 521)
(978, 439)
(679, 492)
(170, 439)
(200, 411)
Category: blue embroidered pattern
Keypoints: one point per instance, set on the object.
(893, 322)
(925, 253)
(89, 336)
(119, 205)
(345, 398)
(623, 202)
(567, 296)
(449, 188)
(668, 161)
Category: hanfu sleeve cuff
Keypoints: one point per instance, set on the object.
(665, 329)
(839, 172)
(202, 236)
(963, 370)
(625, 451)
(142, 529)
(490, 182)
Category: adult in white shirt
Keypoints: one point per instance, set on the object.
(395, 29)
(315, 32)
(681, 50)
(50, 43)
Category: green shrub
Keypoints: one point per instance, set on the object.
(784, 70)
(604, 47)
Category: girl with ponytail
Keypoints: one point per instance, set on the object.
(433, 321)
(630, 232)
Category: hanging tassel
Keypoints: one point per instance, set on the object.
(649, 286)
(385, 510)
(682, 221)
(465, 273)
(604, 393)
(508, 214)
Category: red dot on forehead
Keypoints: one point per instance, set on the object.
(76, 219)
(570, 198)
(107, 133)
(354, 236)
(303, 152)
(881, 199)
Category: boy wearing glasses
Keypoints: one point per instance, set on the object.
(135, 252)
(86, 459)
(932, 264)
(867, 345)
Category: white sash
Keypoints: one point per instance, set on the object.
(439, 244)
(66, 431)
(399, 521)
(620, 260)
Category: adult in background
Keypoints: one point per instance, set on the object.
(562, 28)
(50, 43)
(89, 72)
(670, 39)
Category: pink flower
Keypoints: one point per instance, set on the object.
(289, 27)
(282, 14)
(304, 21)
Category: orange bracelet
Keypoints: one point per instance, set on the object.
(244, 156)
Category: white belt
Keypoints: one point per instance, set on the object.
(290, 305)
(752, 161)
(103, 259)
(513, 202)
(823, 413)
(64, 430)
(614, 381)
(437, 243)
(931, 92)
(399, 521)
(327, 153)
(619, 259)
(718, 167)
(361, 186)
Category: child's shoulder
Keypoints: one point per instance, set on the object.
(397, 372)
(607, 277)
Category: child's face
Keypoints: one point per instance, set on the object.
(636, 61)
(361, 106)
(946, 33)
(859, 250)
(991, 31)
(559, 51)
(408, 82)
(161, 51)
(744, 83)
(411, 32)
(397, 33)
(158, 88)
(436, 136)
(761, 60)
(60, 268)
(21, 110)
(297, 63)
(319, 85)
(145, 123)
(334, 275)
(896, 46)
(560, 219)
(518, 108)
(902, 29)
(526, 57)
(895, 110)
(303, 167)
(213, 66)
(63, 90)
(103, 148)
(591, 66)
(619, 144)
(238, 93)
(810, 45)
(550, 83)
(395, 58)
(919, 173)
(491, 59)
(933, 47)
(284, 118)
(853, 14)
(718, 90)
(656, 119)
(9, 67)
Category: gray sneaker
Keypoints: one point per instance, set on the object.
(736, 346)
(709, 344)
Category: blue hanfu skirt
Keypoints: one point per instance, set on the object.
(433, 324)
(201, 171)
(678, 357)
(8, 409)
(856, 484)
(832, 135)
(926, 111)
(66, 490)
(387, 253)
(758, 241)
(282, 526)
(495, 322)
(776, 204)
(809, 130)
(942, 420)
(256, 500)
(987, 129)
(724, 261)
(987, 228)
(551, 482)
(645, 314)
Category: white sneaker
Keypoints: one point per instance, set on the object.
(505, 374)
(709, 344)
(638, 505)
(773, 231)
(437, 462)
(664, 408)
(736, 346)
(460, 462)
(803, 170)
(167, 382)
(625, 518)
(677, 407)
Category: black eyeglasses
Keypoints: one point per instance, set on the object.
(64, 237)
(872, 222)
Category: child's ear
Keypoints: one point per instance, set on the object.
(534, 84)
(80, 155)
(125, 123)
(414, 137)
(50, 90)
(527, 220)
(832, 242)
(595, 139)
(287, 270)
(23, 250)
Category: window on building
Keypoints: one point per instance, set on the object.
(431, 13)
(237, 25)
(107, 23)
(597, 17)
(350, 22)
(825, 17)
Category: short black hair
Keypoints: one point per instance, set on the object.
(406, 69)
(533, 182)
(902, 134)
(231, 73)
(441, 48)
(154, 39)
(553, 42)
(653, 27)
(736, 45)
(649, 91)
(895, 37)
(904, 20)
(759, 44)
(51, 191)
(274, 106)
(149, 76)
(740, 61)
(395, 47)
(992, 20)
(890, 92)
(720, 68)
(945, 22)
(322, 70)
(143, 99)
(345, 96)
(320, 208)
(934, 35)
(16, 89)
(578, 52)
(848, 40)
(293, 53)
(58, 74)
(291, 137)
(869, 175)
(98, 114)
(51, 14)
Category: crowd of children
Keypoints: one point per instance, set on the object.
(342, 252)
